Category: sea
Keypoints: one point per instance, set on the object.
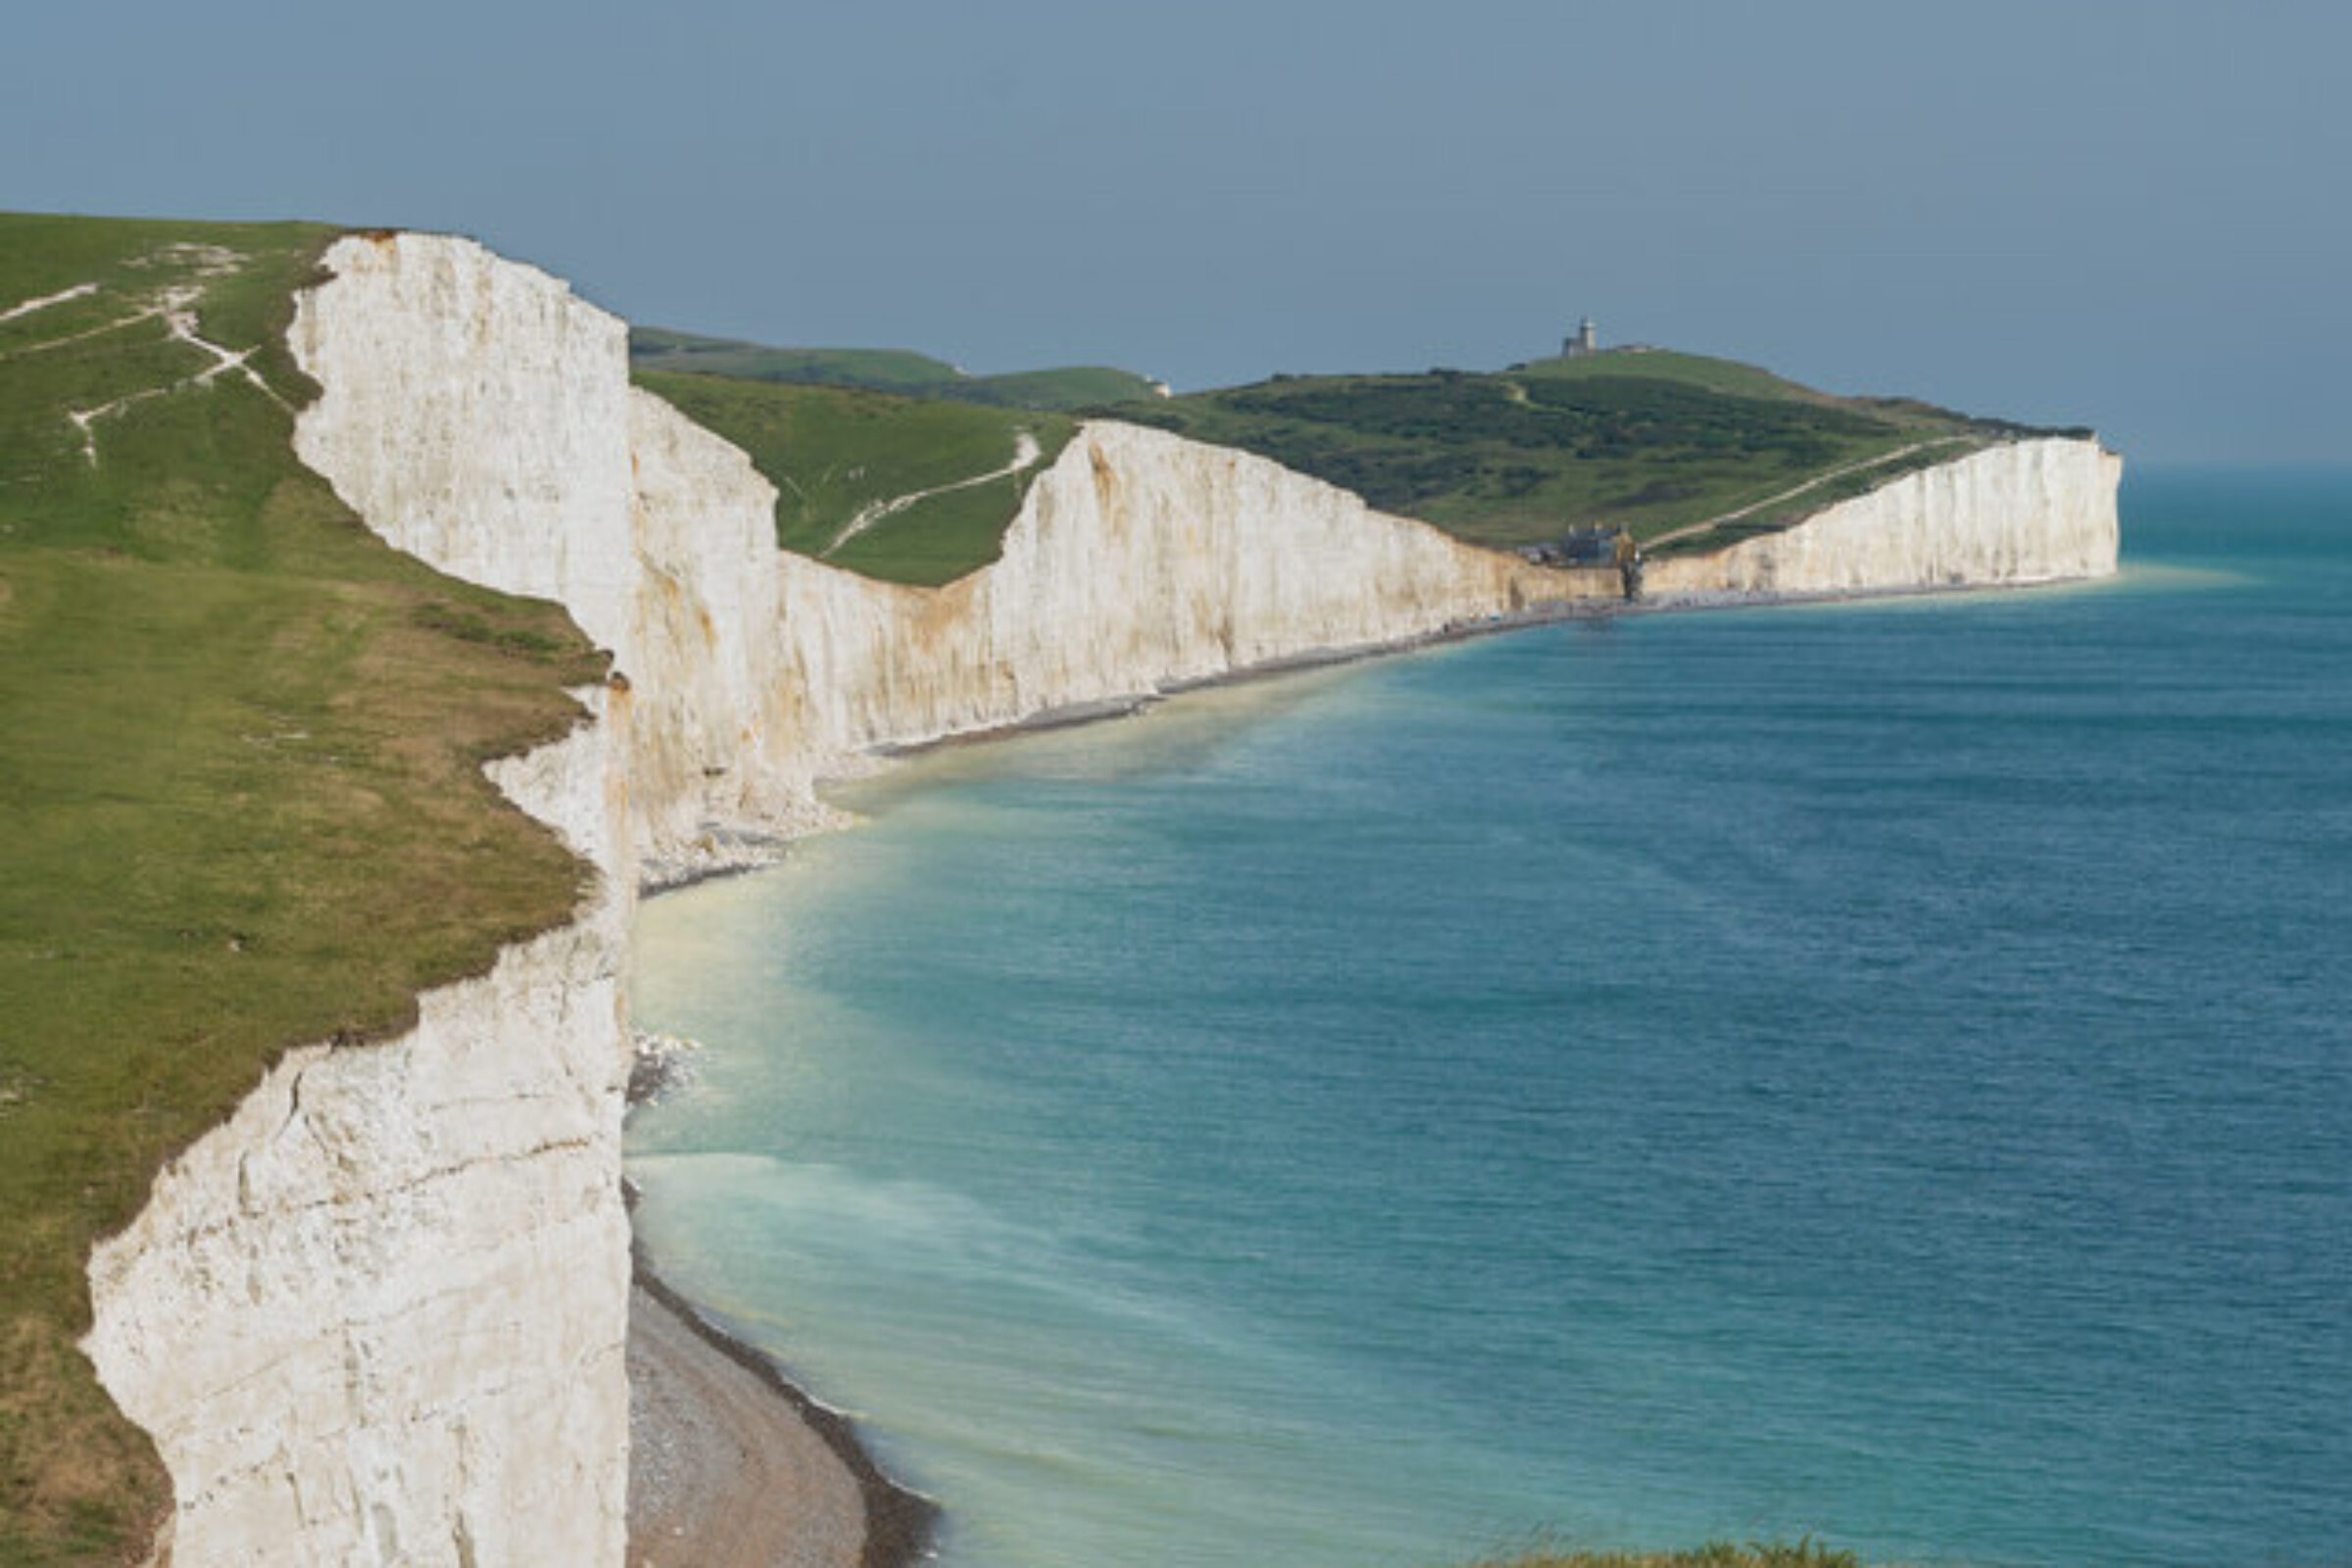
(1877, 1073)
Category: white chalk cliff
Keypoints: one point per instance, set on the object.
(2026, 511)
(480, 417)
(377, 1316)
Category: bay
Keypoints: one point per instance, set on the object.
(1876, 1070)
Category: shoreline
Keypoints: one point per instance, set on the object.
(770, 850)
(893, 1525)
(898, 1524)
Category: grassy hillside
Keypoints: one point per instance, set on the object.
(241, 779)
(1687, 452)
(654, 348)
(1073, 387)
(878, 484)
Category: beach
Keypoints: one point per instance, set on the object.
(721, 1472)
(732, 1466)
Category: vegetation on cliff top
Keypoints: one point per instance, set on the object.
(1686, 451)
(1072, 387)
(904, 489)
(243, 749)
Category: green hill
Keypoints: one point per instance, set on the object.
(904, 489)
(1073, 387)
(654, 348)
(243, 739)
(1687, 452)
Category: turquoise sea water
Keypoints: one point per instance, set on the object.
(1883, 1072)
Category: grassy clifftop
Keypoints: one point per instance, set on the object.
(904, 489)
(1688, 453)
(241, 779)
(654, 348)
(1683, 450)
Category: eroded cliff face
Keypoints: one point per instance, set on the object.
(378, 1316)
(2030, 512)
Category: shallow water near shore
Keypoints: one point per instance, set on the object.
(1876, 1070)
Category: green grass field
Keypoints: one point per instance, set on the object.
(837, 453)
(1660, 443)
(241, 779)
(654, 348)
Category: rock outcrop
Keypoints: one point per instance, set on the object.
(378, 1316)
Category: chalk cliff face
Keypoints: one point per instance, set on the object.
(1137, 560)
(2025, 513)
(378, 1316)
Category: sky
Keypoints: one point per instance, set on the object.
(2128, 214)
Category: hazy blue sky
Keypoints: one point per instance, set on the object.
(2131, 214)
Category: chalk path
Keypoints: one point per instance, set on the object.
(1793, 491)
(175, 304)
(1025, 453)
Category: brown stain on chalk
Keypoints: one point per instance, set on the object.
(1107, 480)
